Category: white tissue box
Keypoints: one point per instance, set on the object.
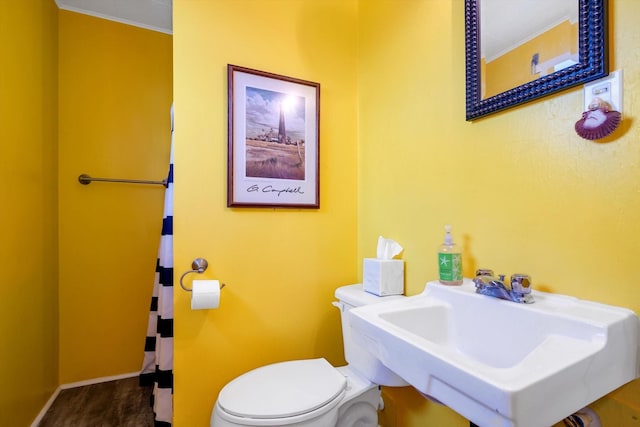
(383, 276)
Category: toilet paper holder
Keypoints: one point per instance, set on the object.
(199, 265)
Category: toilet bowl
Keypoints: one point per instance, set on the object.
(311, 392)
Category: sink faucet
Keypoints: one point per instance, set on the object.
(518, 291)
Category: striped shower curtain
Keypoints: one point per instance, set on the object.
(157, 367)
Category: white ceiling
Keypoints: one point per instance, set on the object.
(150, 14)
(505, 24)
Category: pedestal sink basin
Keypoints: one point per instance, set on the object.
(500, 363)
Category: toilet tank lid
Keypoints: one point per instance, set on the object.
(356, 296)
(283, 389)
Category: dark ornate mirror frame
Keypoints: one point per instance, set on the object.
(593, 61)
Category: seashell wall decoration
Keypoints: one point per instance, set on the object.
(599, 121)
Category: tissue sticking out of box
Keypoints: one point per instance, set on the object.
(388, 248)
(384, 275)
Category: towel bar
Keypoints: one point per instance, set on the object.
(86, 180)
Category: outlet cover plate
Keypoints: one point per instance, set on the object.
(608, 89)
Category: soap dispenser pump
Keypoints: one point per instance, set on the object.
(449, 260)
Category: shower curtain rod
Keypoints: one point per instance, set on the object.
(86, 180)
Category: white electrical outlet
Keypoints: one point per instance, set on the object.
(608, 89)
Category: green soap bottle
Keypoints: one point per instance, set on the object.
(449, 260)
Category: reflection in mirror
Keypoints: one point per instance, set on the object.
(520, 50)
(521, 41)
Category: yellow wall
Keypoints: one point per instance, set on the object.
(78, 95)
(523, 192)
(115, 94)
(551, 204)
(28, 252)
(397, 159)
(281, 266)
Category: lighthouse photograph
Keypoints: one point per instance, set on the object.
(275, 126)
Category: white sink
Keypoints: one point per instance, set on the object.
(500, 363)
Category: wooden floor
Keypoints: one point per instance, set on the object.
(120, 403)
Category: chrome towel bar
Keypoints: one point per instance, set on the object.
(85, 179)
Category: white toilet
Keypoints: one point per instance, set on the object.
(311, 393)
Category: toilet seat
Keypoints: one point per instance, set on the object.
(284, 390)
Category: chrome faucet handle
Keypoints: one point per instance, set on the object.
(521, 283)
(484, 272)
(521, 287)
(483, 277)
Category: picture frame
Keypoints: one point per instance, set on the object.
(273, 140)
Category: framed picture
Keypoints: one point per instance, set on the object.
(273, 140)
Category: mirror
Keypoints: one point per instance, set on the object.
(520, 50)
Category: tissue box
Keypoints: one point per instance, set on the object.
(383, 276)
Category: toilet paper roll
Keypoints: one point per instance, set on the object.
(205, 294)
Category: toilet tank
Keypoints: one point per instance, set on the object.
(357, 357)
